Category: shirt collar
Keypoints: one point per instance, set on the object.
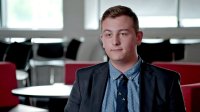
(134, 70)
(114, 73)
(130, 74)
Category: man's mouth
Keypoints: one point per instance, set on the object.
(116, 49)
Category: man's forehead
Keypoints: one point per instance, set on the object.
(117, 30)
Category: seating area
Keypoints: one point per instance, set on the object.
(190, 82)
(49, 58)
(30, 58)
(19, 54)
(9, 102)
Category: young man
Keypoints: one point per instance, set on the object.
(126, 83)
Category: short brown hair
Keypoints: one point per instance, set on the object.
(119, 10)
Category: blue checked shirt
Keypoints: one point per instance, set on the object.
(109, 101)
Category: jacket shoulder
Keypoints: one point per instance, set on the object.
(160, 72)
(87, 71)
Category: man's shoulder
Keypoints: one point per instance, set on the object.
(160, 71)
(94, 68)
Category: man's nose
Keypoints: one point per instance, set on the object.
(116, 40)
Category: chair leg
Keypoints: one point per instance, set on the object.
(52, 76)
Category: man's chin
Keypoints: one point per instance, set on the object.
(116, 59)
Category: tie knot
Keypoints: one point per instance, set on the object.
(123, 80)
(124, 77)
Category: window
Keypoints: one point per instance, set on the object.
(32, 14)
(189, 13)
(151, 13)
(91, 15)
(0, 15)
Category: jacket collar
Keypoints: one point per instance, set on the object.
(147, 88)
(100, 78)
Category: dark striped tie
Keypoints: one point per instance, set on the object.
(122, 103)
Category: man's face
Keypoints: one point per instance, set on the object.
(120, 39)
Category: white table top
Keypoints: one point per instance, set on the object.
(57, 90)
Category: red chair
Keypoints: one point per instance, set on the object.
(190, 82)
(7, 83)
(9, 102)
(72, 67)
(190, 72)
(191, 93)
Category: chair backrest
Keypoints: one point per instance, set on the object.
(3, 48)
(72, 67)
(161, 51)
(189, 72)
(50, 50)
(19, 54)
(72, 49)
(7, 83)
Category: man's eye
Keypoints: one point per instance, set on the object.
(123, 34)
(107, 34)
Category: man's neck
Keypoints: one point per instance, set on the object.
(123, 66)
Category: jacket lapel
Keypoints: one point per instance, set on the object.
(99, 87)
(147, 88)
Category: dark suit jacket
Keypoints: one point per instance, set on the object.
(159, 90)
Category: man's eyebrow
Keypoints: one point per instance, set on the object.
(107, 30)
(117, 30)
(124, 30)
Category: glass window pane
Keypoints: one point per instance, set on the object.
(34, 14)
(151, 13)
(189, 13)
(91, 15)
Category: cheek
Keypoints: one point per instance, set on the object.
(130, 45)
(104, 44)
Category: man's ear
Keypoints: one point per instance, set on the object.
(101, 41)
(139, 37)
